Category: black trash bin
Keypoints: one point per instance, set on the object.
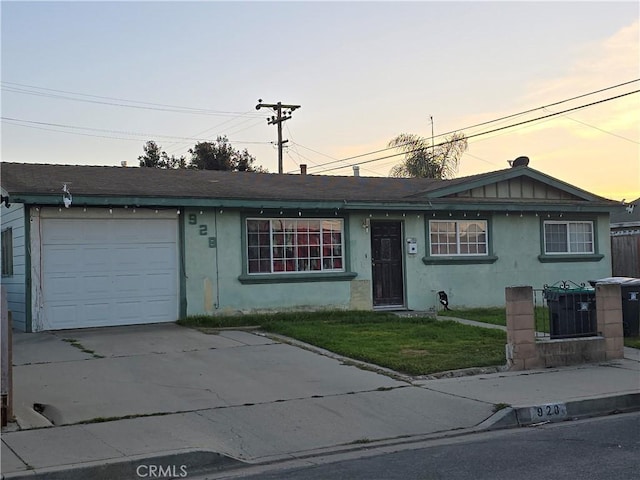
(630, 292)
(572, 311)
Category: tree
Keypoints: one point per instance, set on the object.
(155, 157)
(220, 155)
(422, 160)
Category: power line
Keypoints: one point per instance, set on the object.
(235, 130)
(600, 129)
(178, 145)
(485, 133)
(550, 105)
(7, 86)
(506, 117)
(316, 164)
(75, 133)
(35, 124)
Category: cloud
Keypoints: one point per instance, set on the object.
(613, 61)
(595, 148)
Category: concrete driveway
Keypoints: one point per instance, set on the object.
(249, 396)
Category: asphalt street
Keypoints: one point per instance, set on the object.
(606, 448)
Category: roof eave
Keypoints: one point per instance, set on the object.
(424, 205)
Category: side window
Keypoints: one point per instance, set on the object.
(568, 237)
(7, 252)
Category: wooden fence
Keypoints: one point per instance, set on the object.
(625, 255)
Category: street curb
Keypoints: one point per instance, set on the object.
(199, 462)
(512, 417)
(181, 464)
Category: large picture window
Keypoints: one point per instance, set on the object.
(568, 237)
(458, 237)
(290, 245)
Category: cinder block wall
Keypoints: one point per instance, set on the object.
(522, 353)
(525, 352)
(609, 315)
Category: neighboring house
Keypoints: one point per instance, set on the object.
(143, 245)
(625, 240)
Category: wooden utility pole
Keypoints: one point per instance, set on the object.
(283, 112)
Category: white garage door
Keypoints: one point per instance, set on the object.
(108, 272)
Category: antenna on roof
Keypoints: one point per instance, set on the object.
(519, 162)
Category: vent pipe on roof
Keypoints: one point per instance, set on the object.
(123, 163)
(303, 169)
(356, 171)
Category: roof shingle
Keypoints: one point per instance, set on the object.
(34, 179)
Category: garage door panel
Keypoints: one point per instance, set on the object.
(95, 313)
(58, 259)
(159, 257)
(158, 283)
(68, 287)
(60, 287)
(149, 231)
(64, 316)
(145, 257)
(95, 232)
(95, 258)
(156, 232)
(130, 285)
(128, 312)
(109, 272)
(77, 258)
(158, 309)
(62, 232)
(96, 285)
(127, 257)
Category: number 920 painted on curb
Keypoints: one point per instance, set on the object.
(549, 411)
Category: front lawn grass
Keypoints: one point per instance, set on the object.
(412, 345)
(497, 316)
(633, 342)
(493, 315)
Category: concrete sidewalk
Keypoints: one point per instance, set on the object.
(264, 401)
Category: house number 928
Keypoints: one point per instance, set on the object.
(548, 410)
(551, 411)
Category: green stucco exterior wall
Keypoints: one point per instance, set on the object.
(214, 248)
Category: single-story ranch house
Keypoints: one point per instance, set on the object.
(86, 246)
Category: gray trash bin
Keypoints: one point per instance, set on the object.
(630, 292)
(572, 311)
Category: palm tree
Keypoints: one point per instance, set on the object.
(422, 160)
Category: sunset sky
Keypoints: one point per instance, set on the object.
(91, 82)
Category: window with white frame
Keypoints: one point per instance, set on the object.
(291, 245)
(458, 237)
(7, 252)
(568, 237)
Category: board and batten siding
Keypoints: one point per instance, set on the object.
(13, 218)
(517, 188)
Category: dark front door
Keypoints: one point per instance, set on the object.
(386, 258)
